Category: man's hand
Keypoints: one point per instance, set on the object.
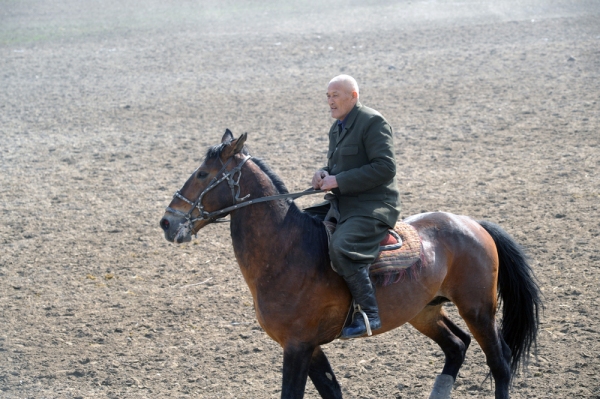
(328, 183)
(322, 180)
(317, 179)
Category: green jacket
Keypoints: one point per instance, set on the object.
(362, 160)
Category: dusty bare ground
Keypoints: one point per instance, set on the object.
(107, 106)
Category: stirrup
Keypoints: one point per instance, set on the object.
(357, 309)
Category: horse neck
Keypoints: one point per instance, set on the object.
(250, 224)
(264, 233)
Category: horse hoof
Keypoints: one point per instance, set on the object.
(442, 387)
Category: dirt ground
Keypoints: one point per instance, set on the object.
(106, 107)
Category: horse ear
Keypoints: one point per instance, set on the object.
(239, 145)
(234, 147)
(228, 136)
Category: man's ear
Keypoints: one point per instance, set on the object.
(228, 136)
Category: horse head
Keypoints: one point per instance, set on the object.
(212, 188)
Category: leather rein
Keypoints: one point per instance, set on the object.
(233, 177)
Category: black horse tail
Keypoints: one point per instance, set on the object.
(520, 294)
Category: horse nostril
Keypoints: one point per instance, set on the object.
(164, 223)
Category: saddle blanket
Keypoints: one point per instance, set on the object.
(400, 250)
(393, 257)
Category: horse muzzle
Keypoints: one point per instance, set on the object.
(176, 229)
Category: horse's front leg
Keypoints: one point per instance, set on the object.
(322, 376)
(296, 362)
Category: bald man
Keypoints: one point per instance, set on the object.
(361, 172)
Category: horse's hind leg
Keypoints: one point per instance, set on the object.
(322, 376)
(482, 325)
(433, 322)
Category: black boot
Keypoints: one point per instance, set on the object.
(364, 295)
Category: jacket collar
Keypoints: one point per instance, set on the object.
(349, 120)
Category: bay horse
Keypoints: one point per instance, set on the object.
(301, 303)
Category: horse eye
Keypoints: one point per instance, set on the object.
(202, 175)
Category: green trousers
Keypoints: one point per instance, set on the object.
(355, 243)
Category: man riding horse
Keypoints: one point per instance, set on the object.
(302, 304)
(361, 172)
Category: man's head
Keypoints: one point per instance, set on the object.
(342, 96)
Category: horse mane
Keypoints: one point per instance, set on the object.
(315, 235)
(216, 150)
(277, 182)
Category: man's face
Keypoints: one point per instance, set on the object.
(341, 100)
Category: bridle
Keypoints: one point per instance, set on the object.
(233, 177)
(234, 184)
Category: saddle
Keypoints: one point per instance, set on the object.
(398, 253)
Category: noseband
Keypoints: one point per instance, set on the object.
(234, 184)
